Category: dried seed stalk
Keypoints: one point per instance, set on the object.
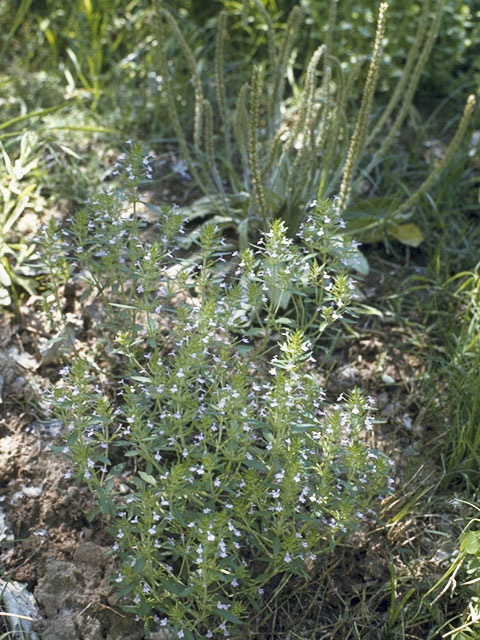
(449, 153)
(359, 134)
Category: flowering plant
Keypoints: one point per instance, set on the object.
(210, 444)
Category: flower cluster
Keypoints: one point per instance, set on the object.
(134, 164)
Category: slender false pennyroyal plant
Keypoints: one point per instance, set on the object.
(225, 473)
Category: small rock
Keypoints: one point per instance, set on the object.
(123, 489)
(20, 603)
(390, 409)
(407, 422)
(162, 634)
(388, 380)
(17, 497)
(23, 359)
(6, 535)
(348, 374)
(382, 400)
(17, 387)
(32, 492)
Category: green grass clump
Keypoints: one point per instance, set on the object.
(461, 372)
(20, 192)
(272, 153)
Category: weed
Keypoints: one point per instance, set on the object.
(265, 155)
(465, 567)
(240, 475)
(462, 366)
(20, 191)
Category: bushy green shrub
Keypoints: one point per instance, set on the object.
(208, 439)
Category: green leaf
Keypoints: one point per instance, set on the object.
(122, 306)
(174, 586)
(85, 294)
(140, 564)
(227, 615)
(371, 220)
(106, 504)
(126, 589)
(147, 478)
(358, 262)
(276, 546)
(408, 233)
(177, 514)
(5, 279)
(140, 378)
(27, 283)
(254, 464)
(34, 114)
(21, 203)
(132, 453)
(5, 298)
(6, 160)
(354, 260)
(302, 428)
(470, 543)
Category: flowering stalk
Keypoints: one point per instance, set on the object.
(413, 79)
(253, 126)
(361, 126)
(449, 153)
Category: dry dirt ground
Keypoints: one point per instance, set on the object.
(49, 544)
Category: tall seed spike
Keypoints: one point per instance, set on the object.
(449, 153)
(359, 134)
(187, 52)
(305, 120)
(323, 114)
(219, 75)
(209, 151)
(412, 86)
(171, 102)
(406, 73)
(240, 127)
(292, 29)
(258, 192)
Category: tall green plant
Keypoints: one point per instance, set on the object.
(273, 155)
